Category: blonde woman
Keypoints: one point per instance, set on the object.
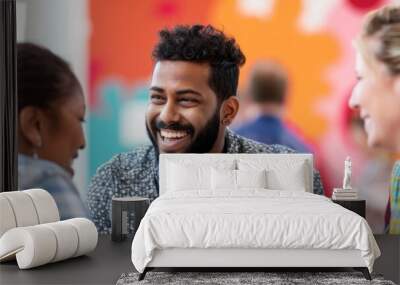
(377, 92)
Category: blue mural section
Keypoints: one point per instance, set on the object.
(117, 124)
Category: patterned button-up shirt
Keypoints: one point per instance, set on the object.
(135, 173)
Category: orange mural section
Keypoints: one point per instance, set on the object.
(277, 36)
(124, 32)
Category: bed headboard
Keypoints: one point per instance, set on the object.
(274, 160)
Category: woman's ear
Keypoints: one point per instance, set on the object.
(229, 109)
(29, 123)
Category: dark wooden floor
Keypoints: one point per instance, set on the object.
(106, 264)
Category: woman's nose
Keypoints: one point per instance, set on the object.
(82, 141)
(354, 99)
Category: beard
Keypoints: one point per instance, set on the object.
(203, 142)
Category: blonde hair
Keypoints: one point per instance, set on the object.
(383, 27)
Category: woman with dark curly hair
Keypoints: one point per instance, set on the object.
(377, 93)
(51, 109)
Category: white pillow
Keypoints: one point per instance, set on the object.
(181, 177)
(251, 178)
(223, 179)
(184, 174)
(230, 180)
(282, 174)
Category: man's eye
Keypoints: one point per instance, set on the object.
(157, 99)
(188, 101)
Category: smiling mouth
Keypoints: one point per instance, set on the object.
(172, 141)
(365, 118)
(173, 135)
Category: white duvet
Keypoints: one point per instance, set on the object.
(250, 219)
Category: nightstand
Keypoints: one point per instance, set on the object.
(127, 212)
(357, 206)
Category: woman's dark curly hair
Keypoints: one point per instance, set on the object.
(204, 44)
(43, 77)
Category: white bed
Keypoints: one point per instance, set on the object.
(217, 224)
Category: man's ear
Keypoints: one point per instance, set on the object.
(229, 109)
(30, 123)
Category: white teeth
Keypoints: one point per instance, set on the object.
(169, 134)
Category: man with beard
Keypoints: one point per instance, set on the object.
(192, 102)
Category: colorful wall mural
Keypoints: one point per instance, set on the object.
(312, 39)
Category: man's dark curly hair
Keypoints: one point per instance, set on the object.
(204, 44)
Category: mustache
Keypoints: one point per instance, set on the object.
(174, 126)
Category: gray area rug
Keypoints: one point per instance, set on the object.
(225, 278)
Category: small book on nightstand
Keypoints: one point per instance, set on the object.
(344, 194)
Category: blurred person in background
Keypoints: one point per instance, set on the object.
(377, 93)
(267, 91)
(51, 109)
